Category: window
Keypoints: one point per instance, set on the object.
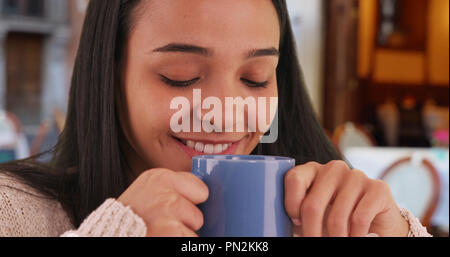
(32, 8)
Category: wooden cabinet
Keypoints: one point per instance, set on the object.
(380, 51)
(404, 42)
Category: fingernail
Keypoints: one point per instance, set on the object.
(297, 222)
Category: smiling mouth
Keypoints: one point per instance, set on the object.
(203, 147)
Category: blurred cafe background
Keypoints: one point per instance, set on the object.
(377, 72)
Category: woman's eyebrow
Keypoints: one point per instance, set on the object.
(263, 52)
(193, 49)
(184, 48)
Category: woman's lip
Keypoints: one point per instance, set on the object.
(206, 141)
(192, 152)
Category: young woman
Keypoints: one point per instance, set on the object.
(120, 170)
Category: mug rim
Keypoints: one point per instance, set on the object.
(243, 158)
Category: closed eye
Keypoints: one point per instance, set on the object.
(178, 83)
(186, 83)
(254, 83)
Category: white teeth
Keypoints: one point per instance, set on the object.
(199, 147)
(218, 148)
(209, 149)
(190, 143)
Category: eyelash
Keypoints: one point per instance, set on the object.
(255, 84)
(175, 83)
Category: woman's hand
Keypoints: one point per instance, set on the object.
(334, 200)
(166, 201)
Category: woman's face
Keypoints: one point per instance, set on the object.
(208, 45)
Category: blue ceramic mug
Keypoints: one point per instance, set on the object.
(246, 195)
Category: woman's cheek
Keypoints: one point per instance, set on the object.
(147, 112)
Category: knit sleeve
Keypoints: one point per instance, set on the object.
(415, 227)
(111, 219)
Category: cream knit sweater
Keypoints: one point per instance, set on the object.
(24, 212)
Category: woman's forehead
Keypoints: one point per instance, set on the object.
(218, 24)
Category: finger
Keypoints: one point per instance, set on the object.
(297, 231)
(366, 210)
(185, 211)
(312, 210)
(191, 187)
(296, 183)
(169, 228)
(344, 204)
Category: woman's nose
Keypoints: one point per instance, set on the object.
(212, 117)
(218, 108)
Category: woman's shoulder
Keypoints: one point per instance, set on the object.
(10, 182)
(24, 211)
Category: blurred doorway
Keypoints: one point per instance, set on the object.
(23, 69)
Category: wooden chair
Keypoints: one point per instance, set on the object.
(40, 137)
(11, 120)
(47, 127)
(59, 118)
(405, 177)
(352, 135)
